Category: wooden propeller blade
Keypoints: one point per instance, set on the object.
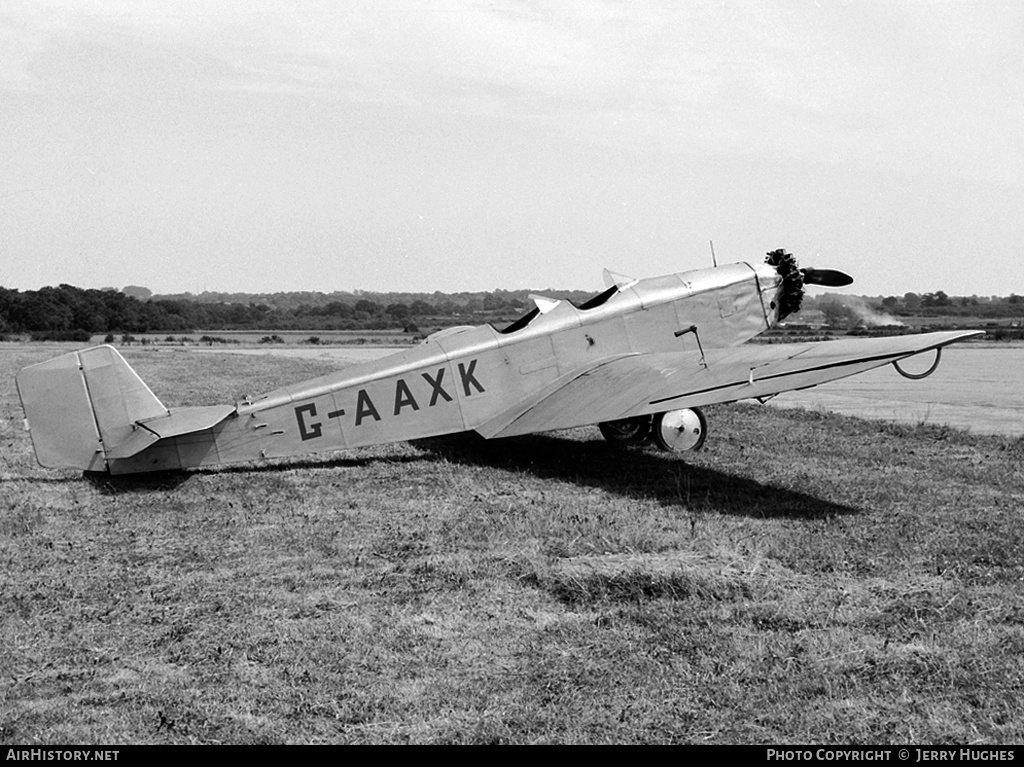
(829, 278)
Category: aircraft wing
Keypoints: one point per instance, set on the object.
(639, 385)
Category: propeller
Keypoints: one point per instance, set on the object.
(794, 278)
(827, 278)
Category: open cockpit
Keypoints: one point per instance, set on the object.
(543, 305)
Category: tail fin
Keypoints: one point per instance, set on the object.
(81, 405)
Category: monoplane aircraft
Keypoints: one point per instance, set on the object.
(638, 360)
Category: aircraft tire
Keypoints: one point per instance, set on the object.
(626, 431)
(680, 431)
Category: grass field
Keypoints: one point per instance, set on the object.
(805, 578)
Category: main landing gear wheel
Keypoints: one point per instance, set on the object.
(627, 431)
(681, 430)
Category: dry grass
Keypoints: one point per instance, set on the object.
(806, 578)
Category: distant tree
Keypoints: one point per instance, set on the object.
(43, 309)
(445, 307)
(939, 298)
(368, 307)
(398, 311)
(421, 308)
(9, 300)
(137, 291)
(338, 309)
(494, 301)
(239, 315)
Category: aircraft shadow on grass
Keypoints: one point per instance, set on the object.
(174, 478)
(631, 473)
(158, 481)
(634, 473)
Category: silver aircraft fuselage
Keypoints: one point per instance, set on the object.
(464, 379)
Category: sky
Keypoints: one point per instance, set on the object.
(292, 145)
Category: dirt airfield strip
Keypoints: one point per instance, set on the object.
(807, 578)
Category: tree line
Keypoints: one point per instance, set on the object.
(65, 310)
(936, 304)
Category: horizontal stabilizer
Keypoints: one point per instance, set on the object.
(184, 421)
